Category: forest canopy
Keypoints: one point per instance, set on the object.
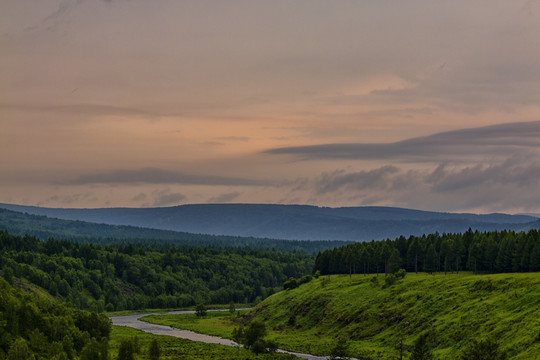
(33, 326)
(136, 276)
(489, 252)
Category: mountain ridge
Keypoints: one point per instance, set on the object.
(290, 222)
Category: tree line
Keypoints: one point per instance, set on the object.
(136, 276)
(487, 252)
(43, 228)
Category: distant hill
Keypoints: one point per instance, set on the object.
(42, 227)
(291, 222)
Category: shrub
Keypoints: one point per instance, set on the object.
(483, 350)
(421, 349)
(390, 280)
(340, 350)
(252, 337)
(400, 274)
(305, 279)
(290, 284)
(200, 310)
(292, 320)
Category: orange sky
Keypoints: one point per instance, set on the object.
(138, 103)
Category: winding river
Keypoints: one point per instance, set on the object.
(133, 321)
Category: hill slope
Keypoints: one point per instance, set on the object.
(291, 222)
(44, 228)
(451, 310)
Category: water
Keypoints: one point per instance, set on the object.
(133, 321)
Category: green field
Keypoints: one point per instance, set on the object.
(451, 309)
(179, 349)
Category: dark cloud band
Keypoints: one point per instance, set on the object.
(491, 140)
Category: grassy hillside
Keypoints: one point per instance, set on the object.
(451, 310)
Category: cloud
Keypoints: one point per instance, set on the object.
(500, 139)
(510, 184)
(223, 198)
(151, 175)
(165, 197)
(363, 180)
(233, 138)
(139, 197)
(518, 172)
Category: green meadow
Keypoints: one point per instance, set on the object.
(379, 320)
(180, 349)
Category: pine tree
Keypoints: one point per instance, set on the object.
(431, 259)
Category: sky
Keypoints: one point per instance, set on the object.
(430, 105)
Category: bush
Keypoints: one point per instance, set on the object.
(400, 274)
(292, 320)
(258, 347)
(290, 284)
(421, 349)
(252, 338)
(200, 310)
(390, 280)
(305, 279)
(483, 350)
(271, 346)
(340, 350)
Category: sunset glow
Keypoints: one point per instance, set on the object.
(429, 105)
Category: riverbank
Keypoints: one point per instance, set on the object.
(134, 322)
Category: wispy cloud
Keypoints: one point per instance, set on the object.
(151, 175)
(223, 198)
(363, 180)
(493, 140)
(233, 138)
(166, 197)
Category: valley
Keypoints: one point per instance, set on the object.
(450, 310)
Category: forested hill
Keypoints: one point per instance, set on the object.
(33, 327)
(43, 227)
(292, 222)
(138, 276)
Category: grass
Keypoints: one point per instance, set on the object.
(217, 323)
(451, 309)
(178, 349)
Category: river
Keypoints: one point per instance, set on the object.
(133, 321)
